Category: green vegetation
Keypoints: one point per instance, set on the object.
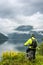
(19, 58)
(13, 58)
(41, 49)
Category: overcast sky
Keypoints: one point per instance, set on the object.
(20, 12)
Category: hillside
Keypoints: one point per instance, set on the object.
(3, 38)
(19, 58)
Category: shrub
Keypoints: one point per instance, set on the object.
(13, 58)
(41, 49)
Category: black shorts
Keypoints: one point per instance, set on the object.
(34, 51)
(28, 49)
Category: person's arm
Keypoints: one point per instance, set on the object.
(28, 42)
(37, 44)
(37, 41)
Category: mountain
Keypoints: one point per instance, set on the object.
(3, 38)
(24, 28)
(18, 38)
(22, 37)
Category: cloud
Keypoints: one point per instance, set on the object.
(20, 12)
(32, 6)
(13, 8)
(7, 25)
(35, 20)
(10, 8)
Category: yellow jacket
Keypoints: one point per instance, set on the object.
(28, 42)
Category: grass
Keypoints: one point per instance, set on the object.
(19, 58)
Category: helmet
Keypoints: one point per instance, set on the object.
(32, 35)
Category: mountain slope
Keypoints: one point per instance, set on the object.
(19, 58)
(24, 28)
(3, 38)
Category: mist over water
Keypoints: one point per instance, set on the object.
(7, 46)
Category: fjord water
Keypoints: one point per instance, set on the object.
(9, 46)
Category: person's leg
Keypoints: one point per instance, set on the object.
(34, 51)
(28, 49)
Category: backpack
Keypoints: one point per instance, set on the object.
(34, 43)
